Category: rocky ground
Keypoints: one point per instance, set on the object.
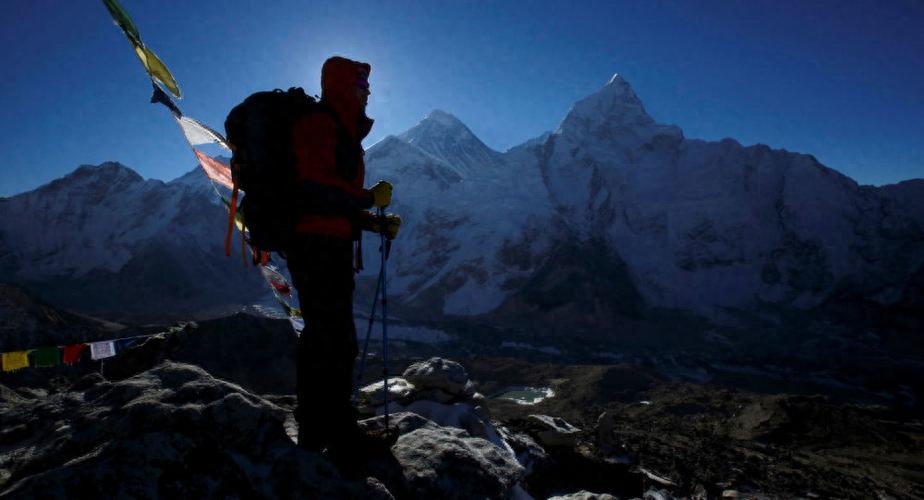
(205, 411)
(176, 431)
(704, 438)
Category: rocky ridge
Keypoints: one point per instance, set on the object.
(174, 430)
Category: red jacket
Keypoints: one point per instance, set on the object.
(334, 195)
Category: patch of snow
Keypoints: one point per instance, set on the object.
(536, 395)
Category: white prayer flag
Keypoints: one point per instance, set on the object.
(298, 324)
(197, 133)
(102, 350)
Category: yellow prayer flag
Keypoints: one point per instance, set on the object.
(15, 360)
(157, 69)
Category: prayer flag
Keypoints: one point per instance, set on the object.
(216, 170)
(13, 361)
(298, 324)
(197, 133)
(157, 69)
(276, 280)
(72, 353)
(159, 96)
(102, 350)
(46, 357)
(120, 17)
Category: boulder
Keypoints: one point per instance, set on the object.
(373, 395)
(400, 422)
(438, 373)
(530, 455)
(472, 419)
(585, 495)
(171, 432)
(552, 431)
(447, 463)
(657, 494)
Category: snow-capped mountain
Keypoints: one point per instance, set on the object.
(705, 224)
(610, 214)
(613, 206)
(444, 136)
(104, 240)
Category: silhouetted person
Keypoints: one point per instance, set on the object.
(330, 172)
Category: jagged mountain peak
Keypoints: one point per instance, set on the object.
(436, 127)
(105, 177)
(444, 118)
(618, 90)
(614, 102)
(615, 112)
(444, 136)
(105, 170)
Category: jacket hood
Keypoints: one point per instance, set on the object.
(339, 78)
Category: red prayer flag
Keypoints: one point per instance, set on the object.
(72, 353)
(216, 170)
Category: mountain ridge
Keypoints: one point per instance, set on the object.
(749, 224)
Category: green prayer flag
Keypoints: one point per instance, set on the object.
(46, 357)
(154, 66)
(123, 21)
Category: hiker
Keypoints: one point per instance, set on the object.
(332, 212)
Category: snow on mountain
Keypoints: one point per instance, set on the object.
(455, 250)
(103, 239)
(79, 222)
(682, 223)
(444, 136)
(610, 213)
(705, 225)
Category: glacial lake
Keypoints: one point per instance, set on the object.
(525, 395)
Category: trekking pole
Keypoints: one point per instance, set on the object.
(383, 250)
(362, 360)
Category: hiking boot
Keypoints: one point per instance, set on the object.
(309, 441)
(350, 463)
(355, 453)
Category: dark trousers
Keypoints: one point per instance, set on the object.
(322, 272)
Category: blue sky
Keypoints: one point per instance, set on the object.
(843, 80)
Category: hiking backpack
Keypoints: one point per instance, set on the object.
(263, 165)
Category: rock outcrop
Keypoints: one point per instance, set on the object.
(176, 431)
(171, 432)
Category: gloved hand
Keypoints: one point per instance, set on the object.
(392, 224)
(381, 194)
(387, 225)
